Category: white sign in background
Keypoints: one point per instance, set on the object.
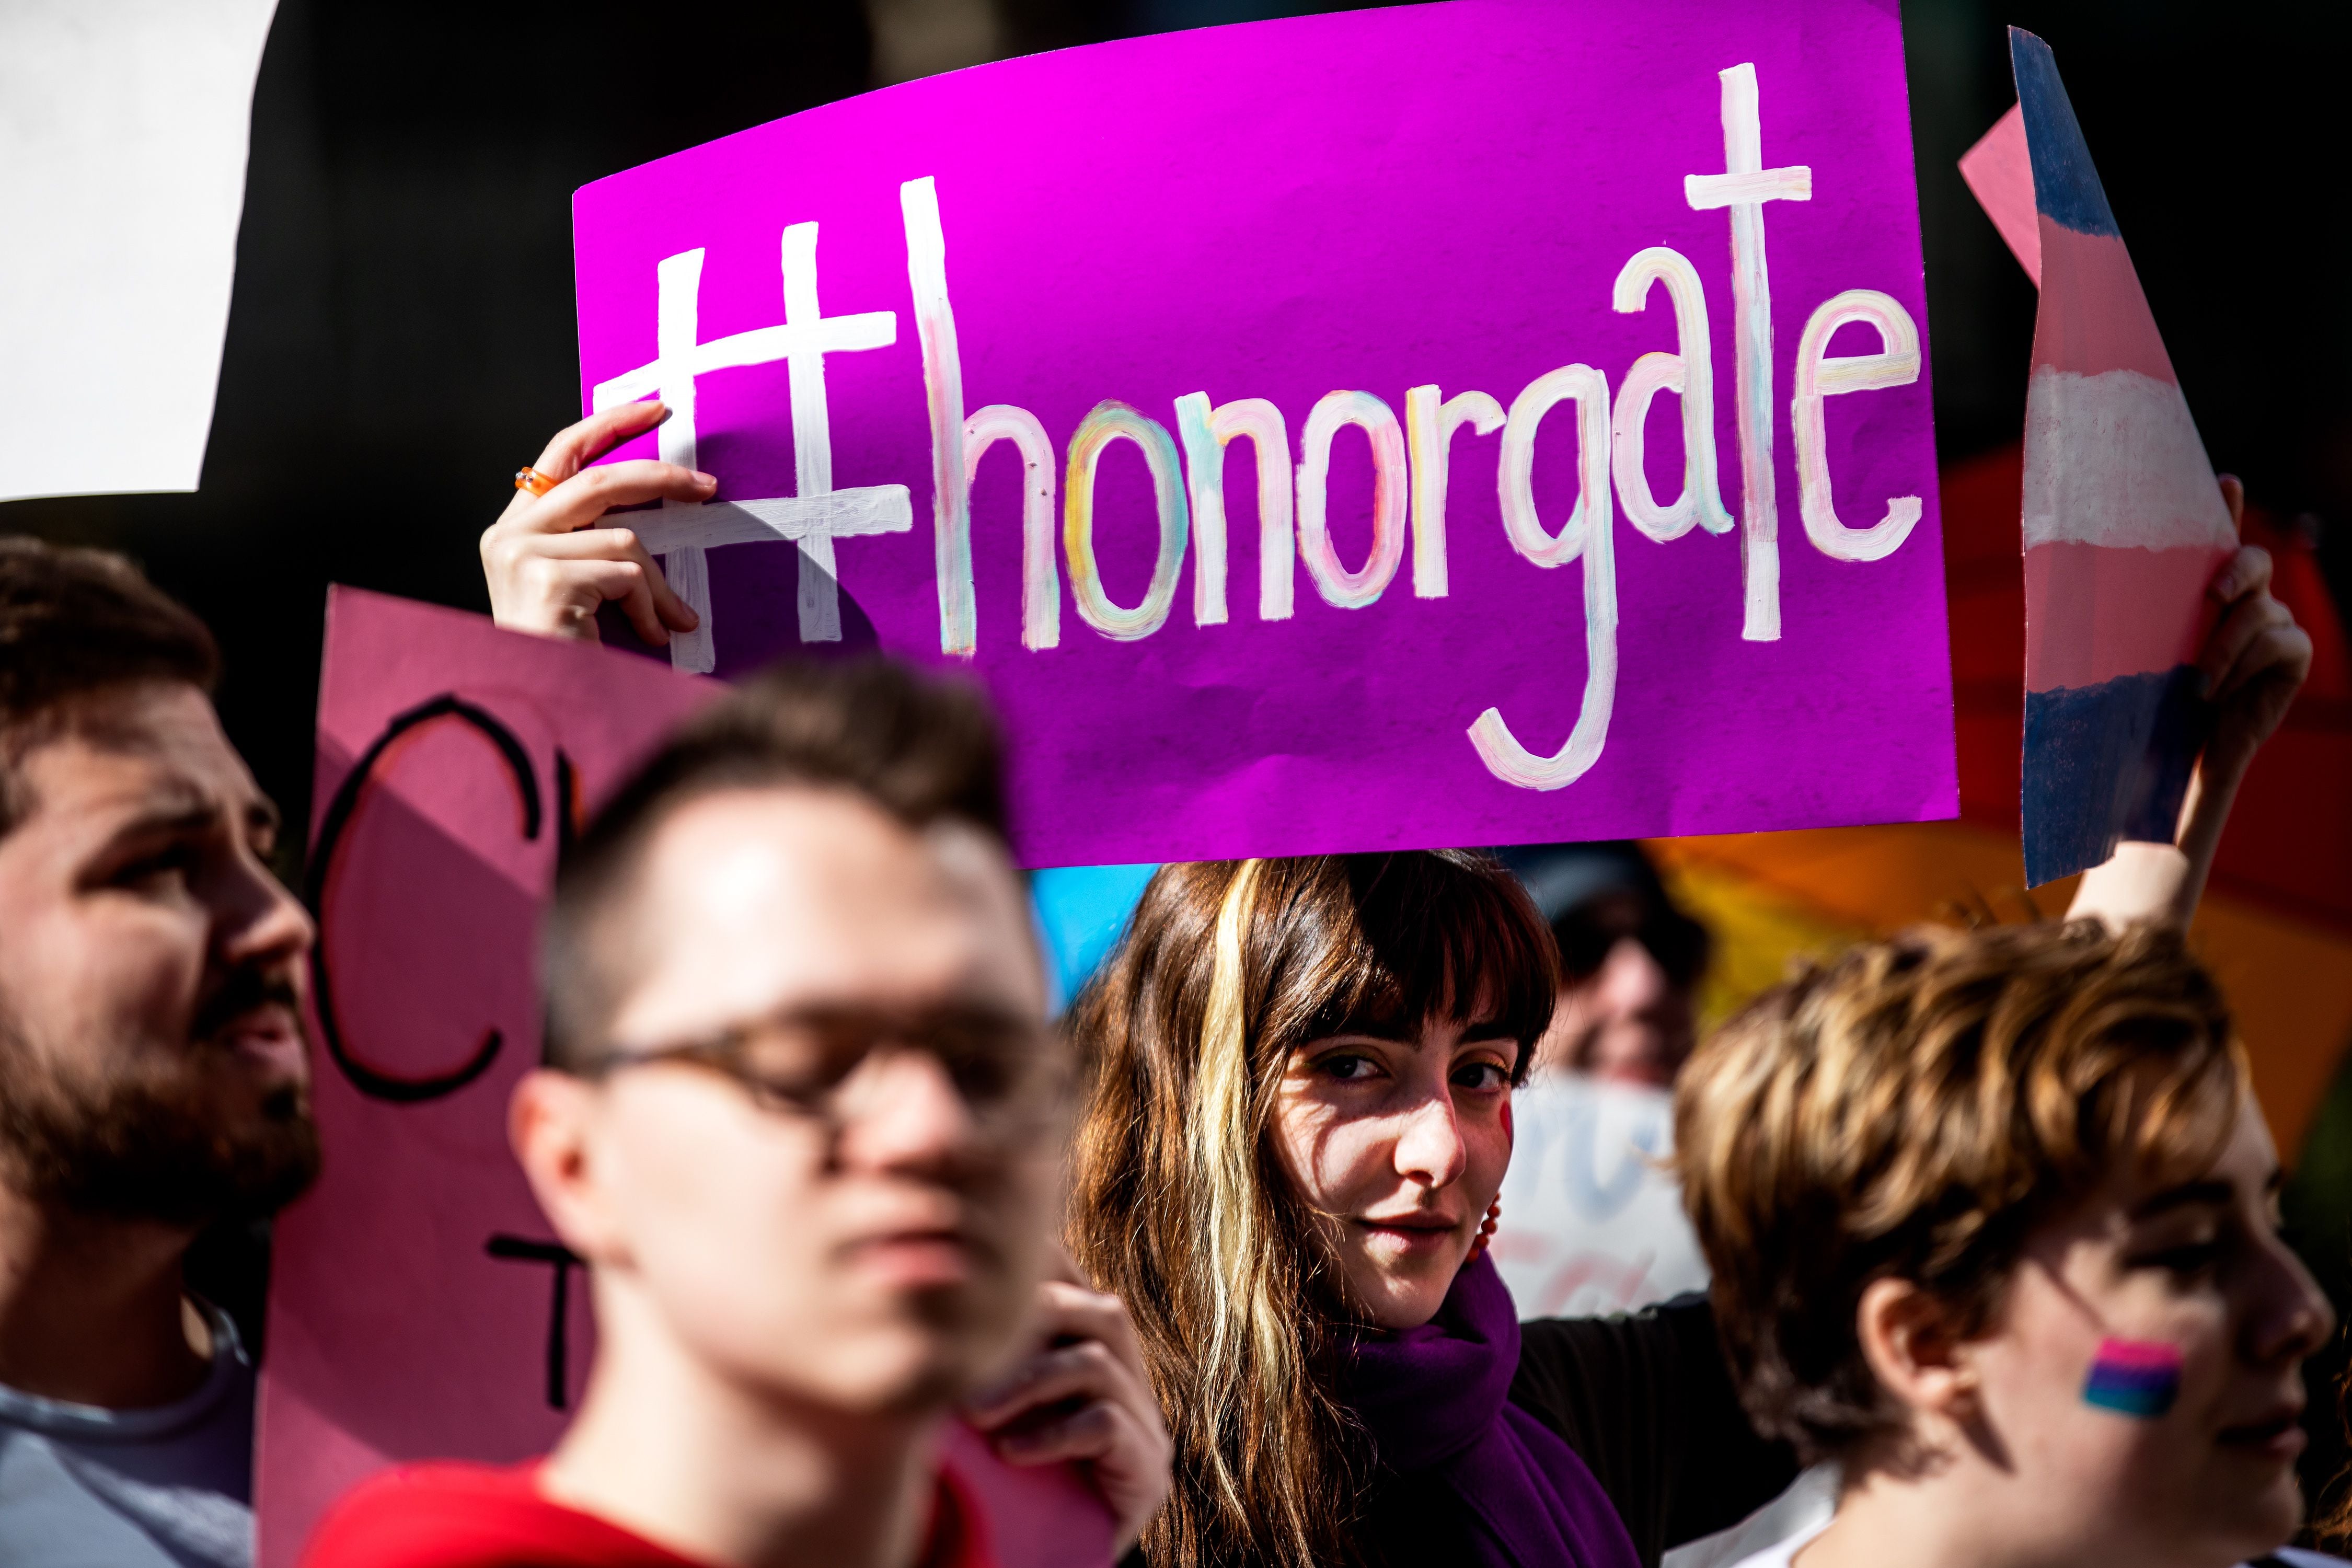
(1592, 1219)
(123, 132)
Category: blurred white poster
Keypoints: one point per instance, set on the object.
(123, 126)
(1593, 1222)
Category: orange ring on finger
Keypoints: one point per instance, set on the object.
(531, 480)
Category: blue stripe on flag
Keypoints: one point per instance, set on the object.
(2066, 187)
(2106, 762)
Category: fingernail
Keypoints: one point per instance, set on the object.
(2225, 586)
(692, 620)
(705, 480)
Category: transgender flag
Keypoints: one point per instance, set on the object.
(2124, 525)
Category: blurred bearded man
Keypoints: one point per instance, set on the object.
(153, 1073)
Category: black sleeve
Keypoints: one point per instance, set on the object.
(1647, 1403)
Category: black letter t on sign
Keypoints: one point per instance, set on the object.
(521, 1249)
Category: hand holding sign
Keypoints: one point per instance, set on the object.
(550, 566)
(2255, 661)
(1083, 1398)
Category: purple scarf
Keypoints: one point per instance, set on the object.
(1437, 1398)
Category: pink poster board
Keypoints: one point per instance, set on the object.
(419, 1307)
(1458, 423)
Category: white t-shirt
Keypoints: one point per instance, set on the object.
(82, 1486)
(1778, 1554)
(1785, 1523)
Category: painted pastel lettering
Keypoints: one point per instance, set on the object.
(1340, 588)
(679, 532)
(1515, 479)
(1204, 471)
(1820, 376)
(1588, 533)
(678, 296)
(1041, 579)
(1278, 543)
(1206, 433)
(1744, 187)
(1689, 371)
(2134, 1377)
(927, 275)
(1430, 425)
(678, 283)
(677, 315)
(811, 337)
(1113, 421)
(1647, 377)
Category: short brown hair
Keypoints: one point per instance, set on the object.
(1916, 1108)
(74, 622)
(923, 748)
(1179, 1205)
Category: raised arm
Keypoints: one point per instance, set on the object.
(2252, 666)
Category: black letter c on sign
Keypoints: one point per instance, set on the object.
(369, 1080)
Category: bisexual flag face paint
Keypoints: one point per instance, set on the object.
(2134, 1377)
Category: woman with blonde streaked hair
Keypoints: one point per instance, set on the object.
(1296, 1122)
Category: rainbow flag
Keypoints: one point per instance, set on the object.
(2124, 525)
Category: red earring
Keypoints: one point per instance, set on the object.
(1486, 1230)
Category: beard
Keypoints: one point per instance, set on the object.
(152, 1143)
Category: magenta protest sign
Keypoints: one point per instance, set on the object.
(1459, 424)
(420, 1305)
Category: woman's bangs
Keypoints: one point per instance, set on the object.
(1441, 935)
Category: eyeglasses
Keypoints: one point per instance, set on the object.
(1006, 1068)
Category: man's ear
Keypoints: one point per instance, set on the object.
(1914, 1351)
(551, 1126)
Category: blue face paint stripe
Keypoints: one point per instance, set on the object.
(2141, 1402)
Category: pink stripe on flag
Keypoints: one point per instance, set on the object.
(1999, 171)
(2106, 611)
(2095, 316)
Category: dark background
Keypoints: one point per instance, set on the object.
(401, 336)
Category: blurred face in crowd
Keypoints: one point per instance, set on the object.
(152, 972)
(825, 1164)
(1399, 1142)
(2196, 1270)
(1624, 1013)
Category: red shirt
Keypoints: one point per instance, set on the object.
(487, 1516)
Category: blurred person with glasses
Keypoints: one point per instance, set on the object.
(802, 1118)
